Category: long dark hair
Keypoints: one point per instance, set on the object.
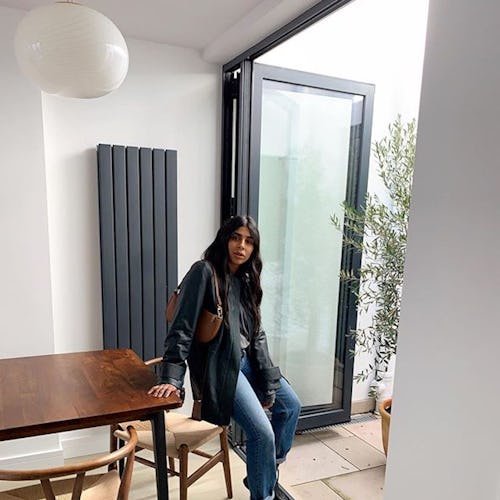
(249, 272)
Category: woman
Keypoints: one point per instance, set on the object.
(233, 374)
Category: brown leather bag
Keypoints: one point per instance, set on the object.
(208, 323)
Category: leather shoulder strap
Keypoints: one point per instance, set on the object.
(216, 285)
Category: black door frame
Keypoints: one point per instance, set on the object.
(238, 172)
(355, 193)
(245, 200)
(236, 98)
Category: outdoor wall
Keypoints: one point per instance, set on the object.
(50, 287)
(444, 440)
(381, 43)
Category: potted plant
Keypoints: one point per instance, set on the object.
(379, 232)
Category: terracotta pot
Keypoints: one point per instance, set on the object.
(386, 421)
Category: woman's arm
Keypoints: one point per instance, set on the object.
(181, 332)
(267, 375)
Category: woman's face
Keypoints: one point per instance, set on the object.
(240, 248)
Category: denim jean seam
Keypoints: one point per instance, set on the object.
(259, 454)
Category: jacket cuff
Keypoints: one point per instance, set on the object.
(271, 377)
(269, 398)
(171, 381)
(265, 397)
(271, 373)
(172, 374)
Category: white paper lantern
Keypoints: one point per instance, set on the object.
(70, 50)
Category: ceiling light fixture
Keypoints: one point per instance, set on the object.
(70, 50)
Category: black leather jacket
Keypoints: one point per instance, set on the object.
(213, 367)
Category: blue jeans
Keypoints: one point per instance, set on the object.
(267, 442)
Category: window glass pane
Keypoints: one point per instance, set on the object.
(303, 173)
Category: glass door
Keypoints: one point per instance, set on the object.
(307, 153)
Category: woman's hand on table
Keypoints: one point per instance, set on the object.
(164, 390)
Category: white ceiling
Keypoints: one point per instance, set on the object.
(219, 29)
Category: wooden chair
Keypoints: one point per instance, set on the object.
(183, 435)
(105, 486)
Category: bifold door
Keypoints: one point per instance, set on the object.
(298, 147)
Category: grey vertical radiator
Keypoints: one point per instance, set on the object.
(138, 231)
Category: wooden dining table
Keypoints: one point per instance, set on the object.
(64, 392)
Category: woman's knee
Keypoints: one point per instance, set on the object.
(289, 400)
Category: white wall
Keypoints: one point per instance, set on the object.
(25, 296)
(48, 194)
(25, 301)
(170, 99)
(381, 43)
(444, 439)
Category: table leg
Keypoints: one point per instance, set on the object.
(160, 450)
